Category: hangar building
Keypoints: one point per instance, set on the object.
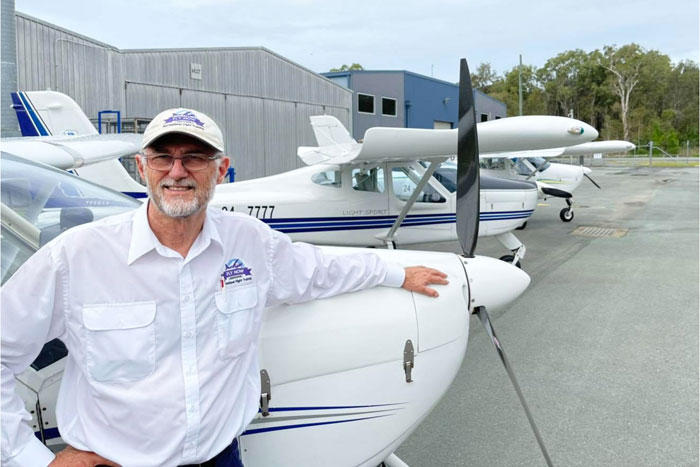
(409, 100)
(261, 100)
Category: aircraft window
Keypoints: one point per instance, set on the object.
(403, 180)
(328, 178)
(388, 107)
(540, 163)
(496, 163)
(42, 202)
(484, 117)
(524, 168)
(365, 103)
(368, 179)
(15, 252)
(446, 174)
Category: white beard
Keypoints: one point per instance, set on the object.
(179, 207)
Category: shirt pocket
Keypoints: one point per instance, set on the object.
(235, 319)
(121, 341)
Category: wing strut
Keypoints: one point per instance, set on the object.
(389, 237)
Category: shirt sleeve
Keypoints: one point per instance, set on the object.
(32, 314)
(301, 272)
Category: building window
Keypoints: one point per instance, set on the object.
(388, 106)
(365, 103)
(498, 117)
(484, 117)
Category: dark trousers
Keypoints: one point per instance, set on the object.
(229, 457)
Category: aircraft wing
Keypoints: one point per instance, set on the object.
(73, 152)
(518, 154)
(599, 147)
(381, 144)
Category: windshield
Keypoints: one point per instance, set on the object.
(38, 203)
(540, 163)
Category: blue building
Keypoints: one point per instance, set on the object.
(409, 100)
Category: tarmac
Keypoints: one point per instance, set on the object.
(604, 342)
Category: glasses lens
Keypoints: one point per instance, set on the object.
(160, 162)
(195, 162)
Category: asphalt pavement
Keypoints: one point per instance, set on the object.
(604, 342)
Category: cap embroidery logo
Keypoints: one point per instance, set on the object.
(186, 117)
(235, 272)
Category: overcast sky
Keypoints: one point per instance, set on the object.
(423, 37)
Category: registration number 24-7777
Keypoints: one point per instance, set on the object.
(261, 212)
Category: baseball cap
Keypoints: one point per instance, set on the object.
(187, 122)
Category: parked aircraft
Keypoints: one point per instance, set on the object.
(386, 196)
(319, 388)
(553, 179)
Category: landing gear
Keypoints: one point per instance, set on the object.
(516, 248)
(510, 259)
(522, 227)
(567, 214)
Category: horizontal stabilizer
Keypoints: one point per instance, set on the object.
(73, 152)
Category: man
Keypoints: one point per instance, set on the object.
(160, 309)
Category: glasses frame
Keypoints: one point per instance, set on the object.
(182, 159)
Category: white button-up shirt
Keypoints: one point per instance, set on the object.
(162, 366)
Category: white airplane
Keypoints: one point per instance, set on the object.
(370, 194)
(331, 370)
(553, 179)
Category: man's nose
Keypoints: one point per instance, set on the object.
(178, 170)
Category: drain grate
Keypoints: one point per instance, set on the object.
(600, 232)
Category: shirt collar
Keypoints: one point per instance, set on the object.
(144, 240)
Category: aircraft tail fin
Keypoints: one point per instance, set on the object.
(329, 131)
(50, 113)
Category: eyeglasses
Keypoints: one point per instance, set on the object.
(191, 162)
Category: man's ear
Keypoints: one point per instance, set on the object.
(223, 167)
(140, 163)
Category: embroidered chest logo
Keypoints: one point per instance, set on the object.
(235, 272)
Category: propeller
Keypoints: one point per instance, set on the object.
(592, 181)
(468, 218)
(467, 165)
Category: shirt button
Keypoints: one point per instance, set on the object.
(188, 334)
(187, 298)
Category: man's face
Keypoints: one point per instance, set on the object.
(179, 192)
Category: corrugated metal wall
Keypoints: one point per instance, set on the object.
(261, 100)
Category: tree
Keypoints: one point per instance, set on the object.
(624, 64)
(353, 67)
(484, 77)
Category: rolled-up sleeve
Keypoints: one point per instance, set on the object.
(301, 272)
(32, 313)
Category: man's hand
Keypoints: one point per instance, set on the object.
(419, 277)
(71, 457)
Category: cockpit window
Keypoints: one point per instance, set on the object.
(328, 178)
(540, 163)
(404, 181)
(368, 179)
(38, 203)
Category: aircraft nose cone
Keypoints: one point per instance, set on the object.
(494, 283)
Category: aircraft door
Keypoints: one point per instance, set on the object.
(432, 216)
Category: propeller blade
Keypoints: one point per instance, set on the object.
(467, 165)
(592, 181)
(486, 321)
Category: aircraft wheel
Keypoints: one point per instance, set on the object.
(522, 227)
(509, 259)
(566, 215)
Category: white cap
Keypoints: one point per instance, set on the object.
(187, 122)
